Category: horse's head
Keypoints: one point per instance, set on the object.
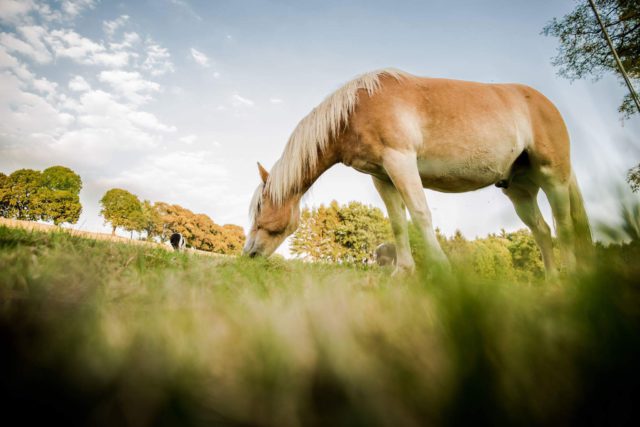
(272, 222)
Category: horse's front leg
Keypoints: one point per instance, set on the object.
(397, 214)
(402, 168)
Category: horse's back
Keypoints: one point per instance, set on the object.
(466, 135)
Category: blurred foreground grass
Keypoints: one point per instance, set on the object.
(98, 333)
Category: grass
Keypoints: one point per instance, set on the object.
(99, 333)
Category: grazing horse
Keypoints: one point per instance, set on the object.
(386, 254)
(177, 241)
(411, 133)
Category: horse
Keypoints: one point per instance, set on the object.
(409, 133)
(386, 254)
(177, 242)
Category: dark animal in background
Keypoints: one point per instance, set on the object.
(177, 241)
(386, 254)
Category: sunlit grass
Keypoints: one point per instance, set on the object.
(109, 334)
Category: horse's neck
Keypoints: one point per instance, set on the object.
(325, 161)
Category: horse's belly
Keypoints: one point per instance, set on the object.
(460, 175)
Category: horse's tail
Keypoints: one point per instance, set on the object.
(582, 230)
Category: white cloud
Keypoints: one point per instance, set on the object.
(79, 84)
(24, 113)
(19, 12)
(69, 44)
(145, 120)
(34, 36)
(198, 180)
(189, 139)
(130, 84)
(45, 86)
(110, 27)
(100, 109)
(13, 11)
(276, 101)
(13, 44)
(239, 101)
(73, 8)
(158, 60)
(200, 57)
(9, 62)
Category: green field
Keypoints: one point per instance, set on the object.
(102, 333)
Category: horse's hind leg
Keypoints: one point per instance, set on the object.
(403, 170)
(523, 196)
(558, 193)
(397, 214)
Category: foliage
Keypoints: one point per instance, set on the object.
(348, 233)
(4, 195)
(200, 231)
(633, 178)
(61, 178)
(121, 209)
(583, 49)
(507, 256)
(159, 220)
(21, 195)
(59, 195)
(51, 195)
(151, 223)
(126, 335)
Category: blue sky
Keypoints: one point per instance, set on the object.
(175, 100)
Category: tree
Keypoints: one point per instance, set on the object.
(151, 220)
(633, 178)
(121, 209)
(199, 230)
(525, 253)
(61, 178)
(21, 195)
(584, 51)
(59, 198)
(348, 233)
(4, 195)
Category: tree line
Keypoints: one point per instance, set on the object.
(157, 221)
(350, 233)
(51, 195)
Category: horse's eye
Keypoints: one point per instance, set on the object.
(273, 233)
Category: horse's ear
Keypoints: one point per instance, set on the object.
(263, 173)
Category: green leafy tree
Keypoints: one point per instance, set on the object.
(21, 195)
(58, 198)
(525, 253)
(4, 195)
(122, 209)
(348, 233)
(583, 50)
(491, 258)
(61, 178)
(633, 178)
(151, 220)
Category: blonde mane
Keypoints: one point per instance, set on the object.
(313, 133)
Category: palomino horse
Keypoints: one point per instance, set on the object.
(411, 133)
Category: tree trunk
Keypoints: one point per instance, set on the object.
(113, 231)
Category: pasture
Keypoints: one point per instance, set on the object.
(103, 333)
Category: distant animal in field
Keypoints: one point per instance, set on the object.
(411, 133)
(177, 242)
(386, 254)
